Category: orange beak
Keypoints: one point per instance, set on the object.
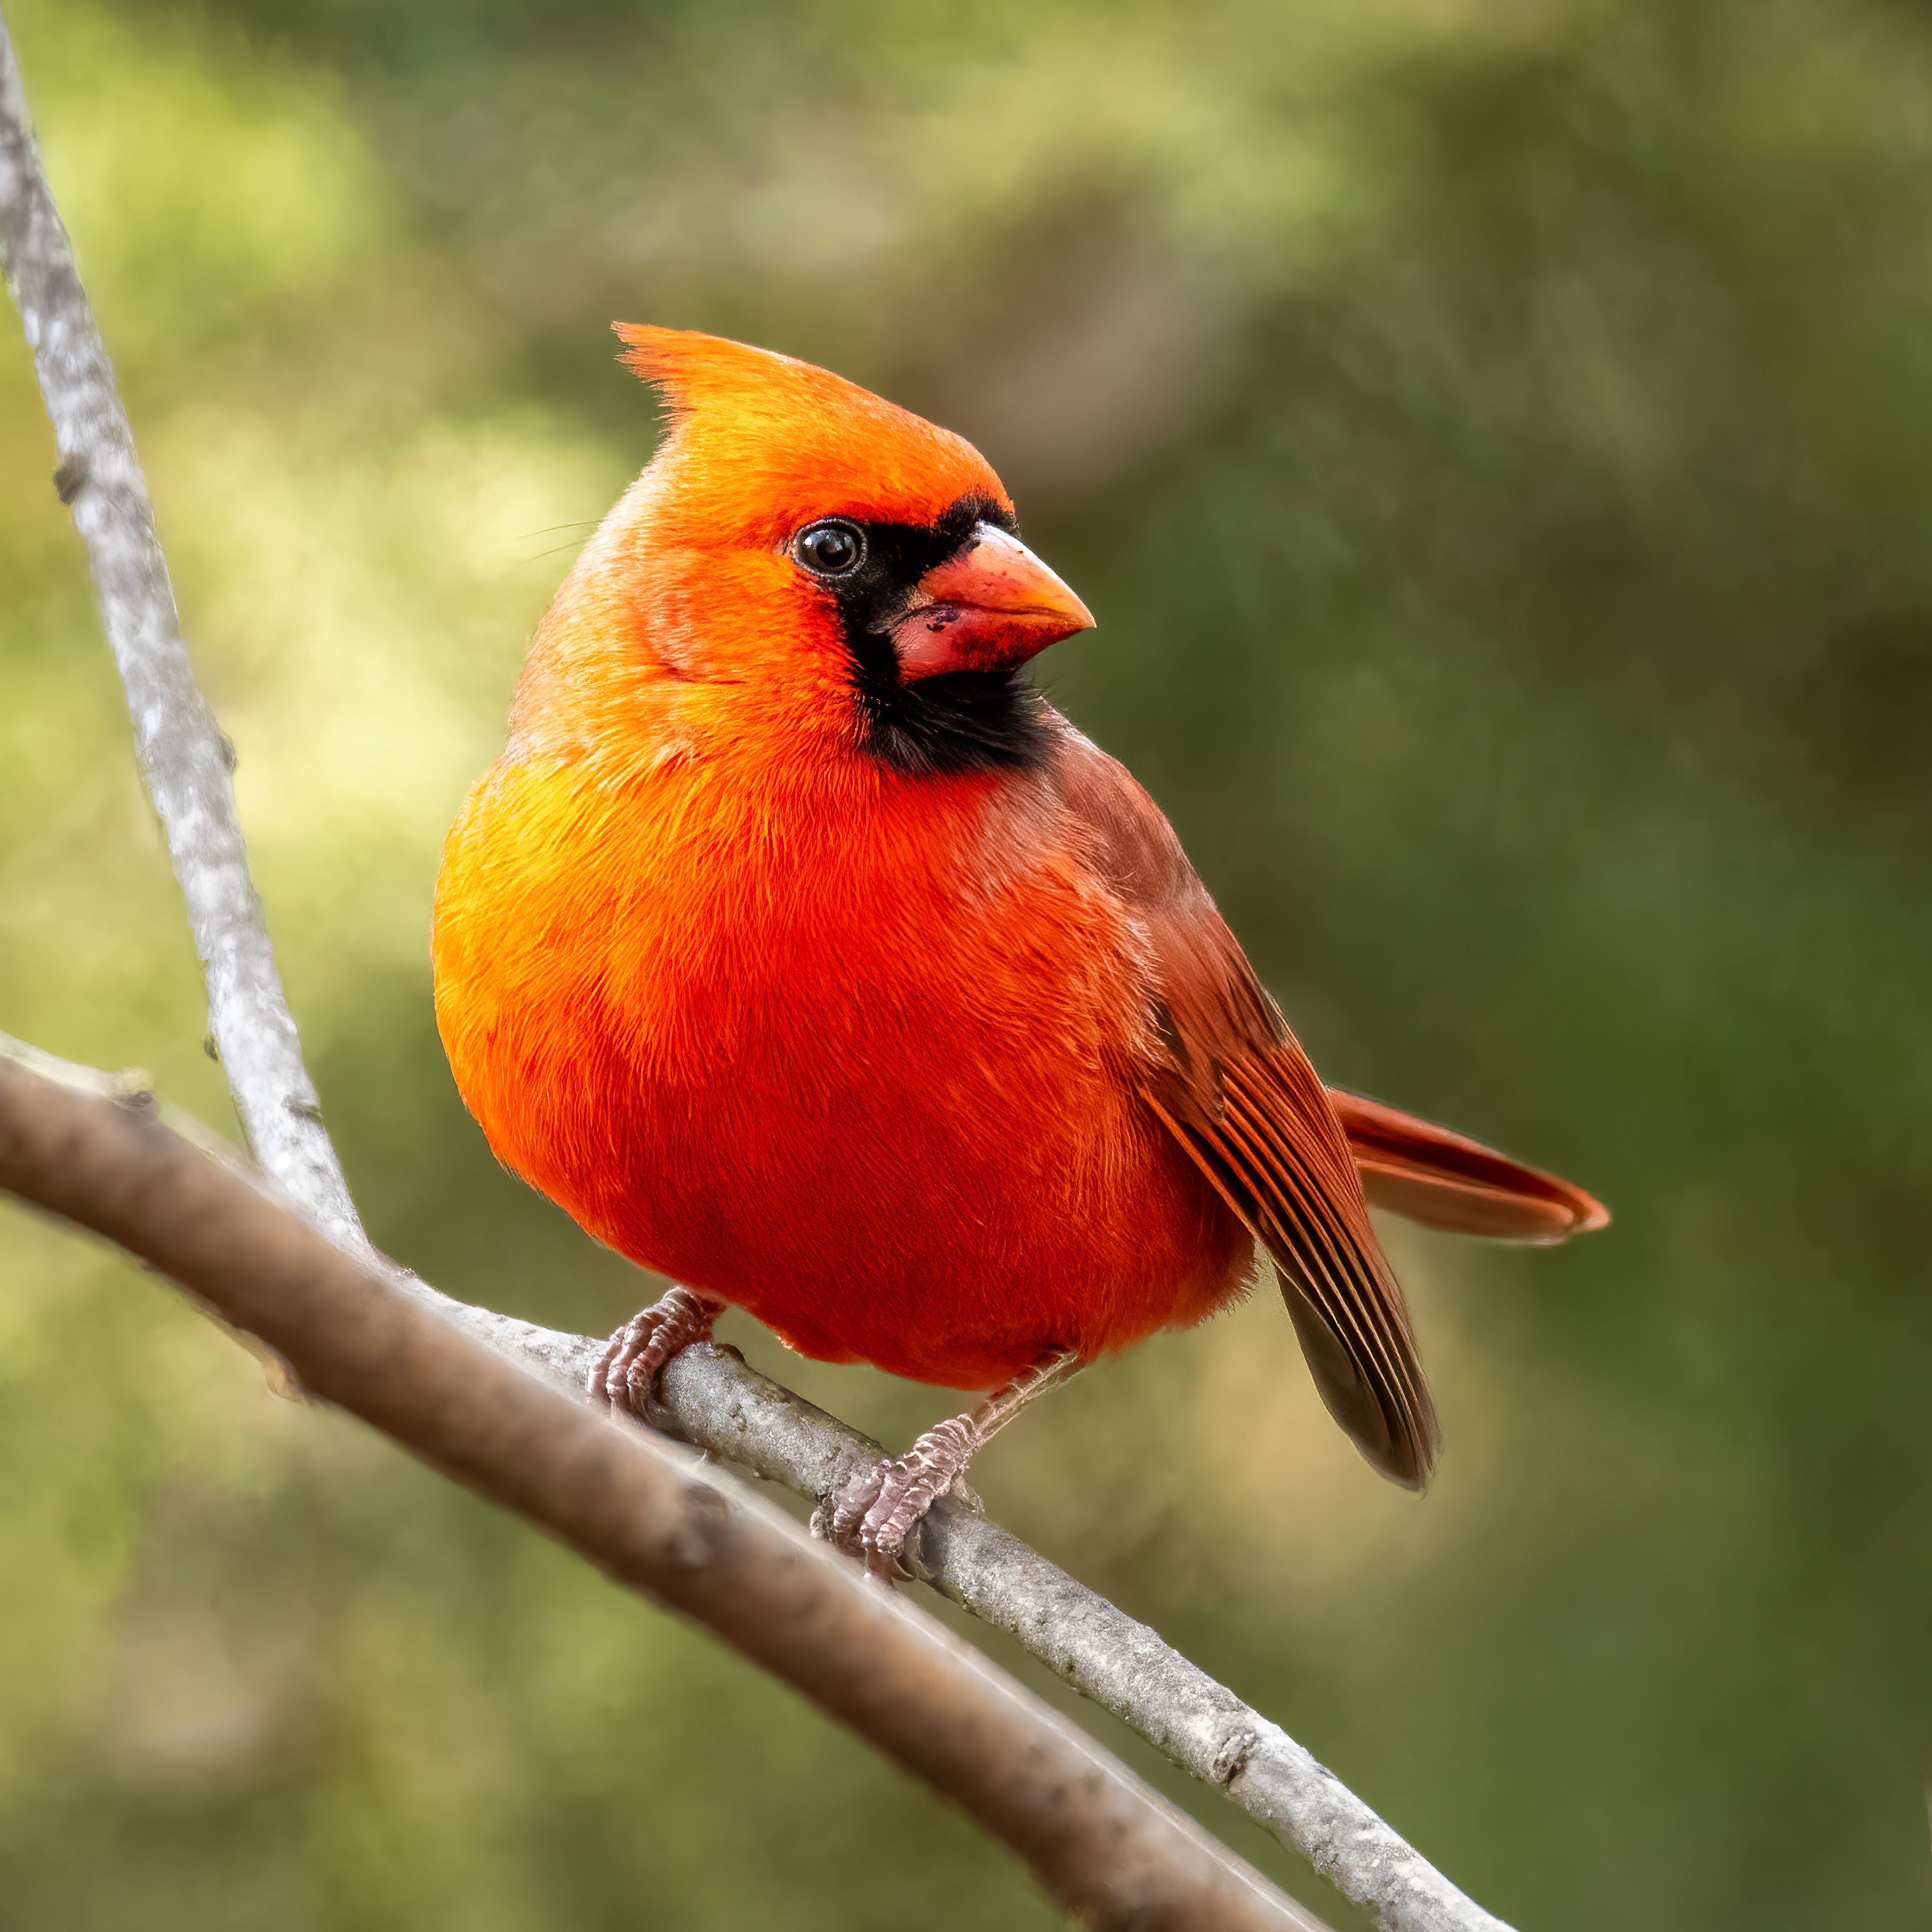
(989, 608)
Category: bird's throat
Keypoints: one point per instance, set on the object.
(959, 721)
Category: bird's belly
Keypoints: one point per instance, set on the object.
(894, 1118)
(952, 1231)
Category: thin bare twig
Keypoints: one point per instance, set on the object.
(711, 1398)
(185, 758)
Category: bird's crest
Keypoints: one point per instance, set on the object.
(761, 442)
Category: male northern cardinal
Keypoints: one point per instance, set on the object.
(803, 953)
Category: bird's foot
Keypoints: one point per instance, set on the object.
(872, 1516)
(875, 1512)
(626, 1376)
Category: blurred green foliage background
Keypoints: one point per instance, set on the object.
(1497, 441)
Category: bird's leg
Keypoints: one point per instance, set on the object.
(626, 1373)
(874, 1513)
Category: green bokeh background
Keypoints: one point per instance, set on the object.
(1497, 441)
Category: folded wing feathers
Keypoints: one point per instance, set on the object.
(1267, 1152)
(1357, 1293)
(1354, 1270)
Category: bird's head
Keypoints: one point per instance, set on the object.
(796, 531)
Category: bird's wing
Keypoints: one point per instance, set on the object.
(1446, 1180)
(1232, 1084)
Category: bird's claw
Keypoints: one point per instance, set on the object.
(880, 1505)
(625, 1378)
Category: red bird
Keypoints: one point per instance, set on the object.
(804, 954)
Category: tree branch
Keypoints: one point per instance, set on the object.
(716, 1401)
(1100, 1842)
(711, 1397)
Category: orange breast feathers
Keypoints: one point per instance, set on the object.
(858, 1076)
(804, 955)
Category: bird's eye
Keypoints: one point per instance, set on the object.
(833, 548)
